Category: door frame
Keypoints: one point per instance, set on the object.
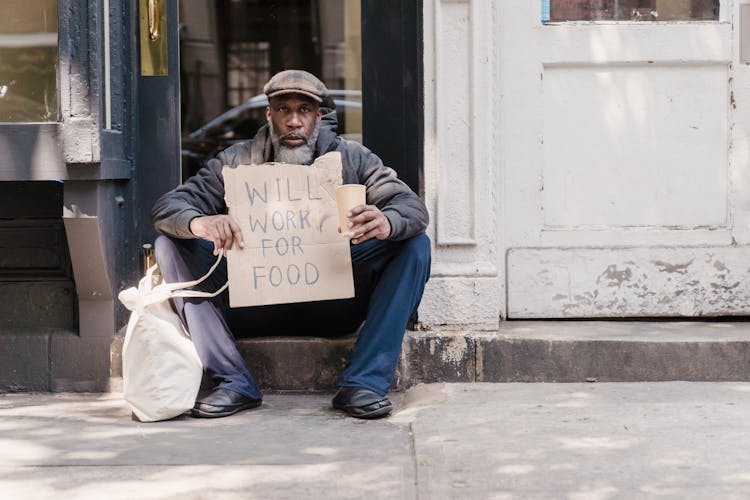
(392, 86)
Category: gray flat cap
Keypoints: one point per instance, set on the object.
(295, 81)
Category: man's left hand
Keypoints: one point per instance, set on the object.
(367, 222)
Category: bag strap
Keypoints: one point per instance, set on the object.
(177, 289)
(194, 293)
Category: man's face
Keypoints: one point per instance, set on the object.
(293, 117)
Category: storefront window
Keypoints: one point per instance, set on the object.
(230, 48)
(630, 10)
(28, 61)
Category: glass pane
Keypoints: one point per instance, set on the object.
(630, 10)
(230, 48)
(28, 61)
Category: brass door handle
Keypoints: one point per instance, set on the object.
(153, 34)
(153, 20)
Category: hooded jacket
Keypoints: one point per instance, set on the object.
(203, 194)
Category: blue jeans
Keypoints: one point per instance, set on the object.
(389, 279)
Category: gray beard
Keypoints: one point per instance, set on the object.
(301, 155)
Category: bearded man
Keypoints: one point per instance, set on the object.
(390, 257)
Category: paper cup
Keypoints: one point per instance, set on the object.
(348, 196)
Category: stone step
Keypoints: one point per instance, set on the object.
(614, 351)
(521, 351)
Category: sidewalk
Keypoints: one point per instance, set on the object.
(578, 441)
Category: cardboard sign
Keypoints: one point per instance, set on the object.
(293, 250)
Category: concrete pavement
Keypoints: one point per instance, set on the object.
(577, 441)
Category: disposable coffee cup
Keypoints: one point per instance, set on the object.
(348, 196)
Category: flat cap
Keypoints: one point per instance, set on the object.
(295, 81)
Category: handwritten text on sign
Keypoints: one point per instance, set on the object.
(293, 251)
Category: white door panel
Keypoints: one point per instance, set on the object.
(635, 145)
(647, 281)
(625, 142)
(606, 43)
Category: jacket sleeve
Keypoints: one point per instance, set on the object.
(202, 194)
(405, 211)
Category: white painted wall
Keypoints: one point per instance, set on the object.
(568, 168)
(461, 165)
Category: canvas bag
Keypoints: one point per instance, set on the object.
(161, 370)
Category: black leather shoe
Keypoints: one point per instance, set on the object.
(361, 403)
(222, 403)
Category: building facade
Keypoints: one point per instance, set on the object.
(579, 158)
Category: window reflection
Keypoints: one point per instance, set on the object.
(630, 10)
(28, 61)
(230, 48)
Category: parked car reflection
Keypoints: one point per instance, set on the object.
(242, 122)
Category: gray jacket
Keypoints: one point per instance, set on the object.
(203, 194)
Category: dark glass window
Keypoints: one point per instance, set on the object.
(28, 61)
(630, 10)
(230, 48)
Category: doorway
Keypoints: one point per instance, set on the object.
(230, 48)
(628, 195)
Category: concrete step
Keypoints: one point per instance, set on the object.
(614, 351)
(521, 351)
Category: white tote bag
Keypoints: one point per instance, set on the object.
(161, 370)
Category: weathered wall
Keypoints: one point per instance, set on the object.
(559, 157)
(460, 164)
(88, 153)
(590, 282)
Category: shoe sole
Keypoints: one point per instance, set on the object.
(206, 414)
(370, 415)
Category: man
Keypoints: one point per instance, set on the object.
(390, 257)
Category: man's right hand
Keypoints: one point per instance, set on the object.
(221, 229)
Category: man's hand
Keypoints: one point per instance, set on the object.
(221, 229)
(366, 222)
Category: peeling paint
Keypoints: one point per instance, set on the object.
(583, 299)
(615, 277)
(666, 267)
(719, 286)
(689, 282)
(454, 351)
